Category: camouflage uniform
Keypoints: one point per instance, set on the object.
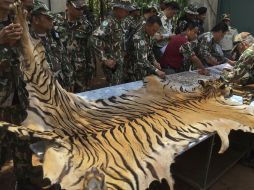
(208, 48)
(75, 38)
(188, 50)
(13, 104)
(166, 30)
(108, 41)
(181, 23)
(55, 51)
(130, 22)
(243, 71)
(141, 64)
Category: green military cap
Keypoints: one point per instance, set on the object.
(78, 4)
(226, 17)
(40, 8)
(191, 9)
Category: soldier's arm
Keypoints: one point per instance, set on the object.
(241, 70)
(101, 41)
(205, 52)
(142, 54)
(167, 33)
(87, 27)
(189, 54)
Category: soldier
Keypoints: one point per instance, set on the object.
(227, 42)
(201, 18)
(108, 40)
(209, 50)
(133, 19)
(13, 98)
(148, 11)
(75, 31)
(243, 71)
(180, 52)
(166, 32)
(41, 28)
(240, 45)
(144, 62)
(190, 14)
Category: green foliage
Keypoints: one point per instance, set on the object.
(101, 7)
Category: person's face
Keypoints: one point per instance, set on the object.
(43, 23)
(191, 16)
(227, 22)
(121, 13)
(152, 29)
(162, 6)
(241, 47)
(135, 13)
(218, 36)
(74, 12)
(5, 4)
(202, 17)
(170, 13)
(192, 34)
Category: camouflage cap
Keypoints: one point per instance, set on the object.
(124, 4)
(78, 4)
(243, 36)
(40, 8)
(191, 9)
(134, 7)
(156, 6)
(226, 17)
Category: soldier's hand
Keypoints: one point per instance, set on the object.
(160, 74)
(157, 65)
(204, 72)
(110, 63)
(213, 61)
(10, 34)
(231, 62)
(158, 37)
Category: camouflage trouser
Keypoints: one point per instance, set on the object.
(83, 79)
(136, 73)
(10, 145)
(114, 76)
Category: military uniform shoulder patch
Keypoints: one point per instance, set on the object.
(105, 23)
(142, 42)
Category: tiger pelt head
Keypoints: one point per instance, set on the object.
(214, 88)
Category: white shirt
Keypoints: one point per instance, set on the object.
(227, 42)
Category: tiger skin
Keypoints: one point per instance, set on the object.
(132, 139)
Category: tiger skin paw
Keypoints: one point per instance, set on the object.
(19, 12)
(94, 180)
